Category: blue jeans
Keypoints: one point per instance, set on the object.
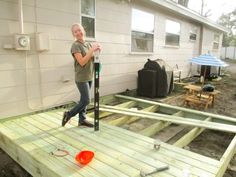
(84, 89)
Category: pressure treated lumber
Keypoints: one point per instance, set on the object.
(130, 144)
(173, 119)
(118, 152)
(96, 139)
(39, 159)
(158, 126)
(37, 126)
(199, 113)
(138, 140)
(127, 104)
(227, 156)
(127, 120)
(190, 136)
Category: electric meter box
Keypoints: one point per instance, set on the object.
(42, 41)
(22, 42)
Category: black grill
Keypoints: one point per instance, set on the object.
(153, 81)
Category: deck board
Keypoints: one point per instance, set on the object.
(72, 144)
(30, 139)
(164, 155)
(125, 154)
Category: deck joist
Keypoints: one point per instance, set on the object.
(30, 139)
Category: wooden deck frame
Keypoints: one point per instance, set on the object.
(124, 119)
(191, 135)
(158, 126)
(117, 154)
(172, 118)
(173, 109)
(227, 156)
(165, 115)
(126, 104)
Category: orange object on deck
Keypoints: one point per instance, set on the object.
(84, 157)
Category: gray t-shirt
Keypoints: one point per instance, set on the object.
(85, 73)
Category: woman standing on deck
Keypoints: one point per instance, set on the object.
(82, 53)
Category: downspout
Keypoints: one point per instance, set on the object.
(201, 46)
(21, 31)
(20, 16)
(200, 40)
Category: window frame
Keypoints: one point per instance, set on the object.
(193, 31)
(216, 42)
(89, 16)
(141, 31)
(168, 45)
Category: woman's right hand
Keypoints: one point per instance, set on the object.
(96, 47)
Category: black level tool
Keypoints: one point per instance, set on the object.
(96, 91)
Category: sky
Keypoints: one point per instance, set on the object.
(218, 7)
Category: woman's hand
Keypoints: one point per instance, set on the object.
(96, 47)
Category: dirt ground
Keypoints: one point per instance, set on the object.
(9, 168)
(213, 143)
(209, 143)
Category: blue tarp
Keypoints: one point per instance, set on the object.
(208, 60)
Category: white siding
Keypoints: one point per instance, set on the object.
(208, 38)
(207, 44)
(34, 80)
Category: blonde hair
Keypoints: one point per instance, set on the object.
(78, 25)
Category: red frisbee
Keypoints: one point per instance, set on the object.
(84, 157)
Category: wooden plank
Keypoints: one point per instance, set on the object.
(173, 119)
(149, 142)
(227, 156)
(127, 120)
(127, 104)
(93, 139)
(109, 135)
(107, 99)
(15, 151)
(155, 128)
(173, 154)
(195, 100)
(42, 164)
(72, 144)
(96, 168)
(199, 113)
(42, 143)
(190, 136)
(169, 133)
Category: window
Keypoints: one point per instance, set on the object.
(142, 34)
(193, 34)
(216, 41)
(88, 17)
(172, 33)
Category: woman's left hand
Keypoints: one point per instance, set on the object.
(96, 47)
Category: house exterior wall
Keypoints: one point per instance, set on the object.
(207, 44)
(32, 80)
(208, 38)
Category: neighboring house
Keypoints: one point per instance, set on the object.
(130, 31)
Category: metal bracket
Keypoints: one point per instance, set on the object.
(157, 145)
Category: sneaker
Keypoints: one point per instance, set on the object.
(86, 123)
(65, 119)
